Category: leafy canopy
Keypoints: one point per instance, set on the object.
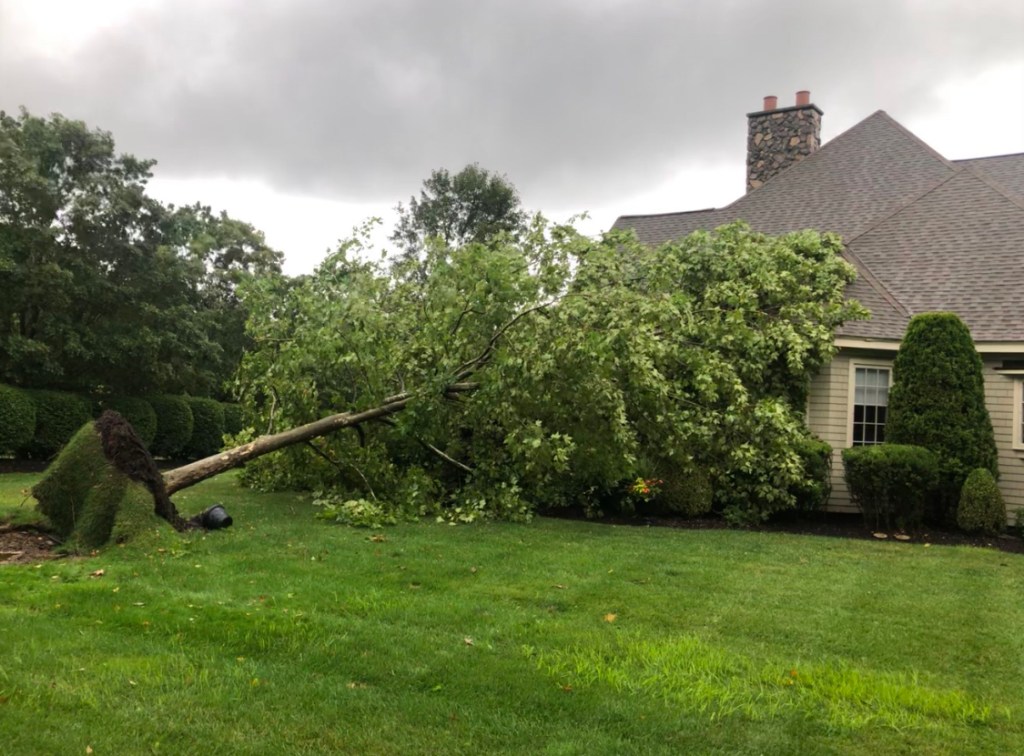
(105, 287)
(587, 362)
(472, 205)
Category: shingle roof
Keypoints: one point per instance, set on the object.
(1005, 170)
(925, 233)
(960, 247)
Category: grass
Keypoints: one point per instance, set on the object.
(288, 635)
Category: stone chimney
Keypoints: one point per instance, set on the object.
(779, 137)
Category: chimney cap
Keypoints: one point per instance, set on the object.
(803, 98)
(770, 102)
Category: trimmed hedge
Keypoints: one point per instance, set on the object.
(136, 411)
(891, 482)
(234, 420)
(981, 508)
(174, 424)
(17, 418)
(208, 427)
(59, 415)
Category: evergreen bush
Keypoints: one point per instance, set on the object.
(686, 493)
(174, 423)
(58, 416)
(891, 482)
(937, 401)
(981, 508)
(208, 427)
(17, 418)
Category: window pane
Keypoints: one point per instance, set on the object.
(870, 404)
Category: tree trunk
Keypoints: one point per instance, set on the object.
(200, 470)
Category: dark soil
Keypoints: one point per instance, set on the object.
(828, 524)
(21, 545)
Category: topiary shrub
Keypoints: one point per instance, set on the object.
(208, 427)
(891, 482)
(58, 416)
(234, 420)
(17, 418)
(174, 424)
(981, 508)
(937, 401)
(136, 411)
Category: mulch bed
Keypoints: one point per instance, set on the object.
(828, 524)
(23, 545)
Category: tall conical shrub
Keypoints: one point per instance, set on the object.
(937, 401)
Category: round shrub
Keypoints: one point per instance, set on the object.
(685, 493)
(174, 423)
(136, 411)
(981, 508)
(17, 418)
(891, 482)
(208, 427)
(233, 418)
(59, 415)
(938, 401)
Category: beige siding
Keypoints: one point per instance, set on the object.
(999, 396)
(828, 409)
(827, 412)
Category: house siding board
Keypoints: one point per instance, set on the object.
(999, 395)
(828, 410)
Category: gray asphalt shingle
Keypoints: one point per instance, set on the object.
(925, 233)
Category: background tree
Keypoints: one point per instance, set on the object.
(937, 401)
(473, 205)
(104, 287)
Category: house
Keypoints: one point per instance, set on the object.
(925, 234)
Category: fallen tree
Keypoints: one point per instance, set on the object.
(552, 370)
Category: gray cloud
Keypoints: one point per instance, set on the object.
(588, 99)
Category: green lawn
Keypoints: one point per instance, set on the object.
(288, 635)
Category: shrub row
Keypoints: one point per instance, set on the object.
(893, 483)
(37, 423)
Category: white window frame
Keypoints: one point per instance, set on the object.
(1018, 412)
(851, 392)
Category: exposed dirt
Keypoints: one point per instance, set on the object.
(22, 545)
(829, 524)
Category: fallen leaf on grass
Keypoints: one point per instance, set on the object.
(901, 537)
(567, 689)
(468, 641)
(377, 538)
(880, 535)
(610, 617)
(559, 586)
(355, 684)
(97, 573)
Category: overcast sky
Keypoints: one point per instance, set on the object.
(304, 117)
